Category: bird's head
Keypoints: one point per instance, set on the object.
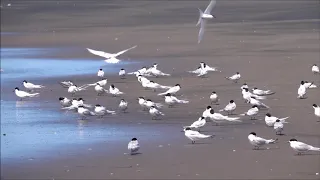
(277, 120)
(254, 106)
(268, 114)
(187, 129)
(61, 98)
(178, 85)
(254, 88)
(134, 139)
(231, 101)
(25, 81)
(302, 82)
(122, 69)
(253, 133)
(80, 99)
(149, 100)
(208, 107)
(211, 111)
(237, 73)
(213, 92)
(314, 105)
(112, 85)
(98, 105)
(292, 140)
(16, 88)
(168, 94)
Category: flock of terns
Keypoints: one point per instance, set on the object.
(192, 132)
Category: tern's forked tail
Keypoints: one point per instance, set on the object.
(271, 141)
(314, 148)
(34, 95)
(200, 16)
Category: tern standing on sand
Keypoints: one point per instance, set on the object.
(122, 73)
(110, 58)
(258, 141)
(23, 94)
(195, 135)
(270, 120)
(301, 147)
(203, 17)
(30, 86)
(315, 69)
(234, 77)
(316, 111)
(133, 146)
(100, 73)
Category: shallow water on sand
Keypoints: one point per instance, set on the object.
(23, 63)
(31, 129)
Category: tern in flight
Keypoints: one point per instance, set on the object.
(110, 58)
(204, 16)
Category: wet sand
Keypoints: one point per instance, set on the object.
(270, 45)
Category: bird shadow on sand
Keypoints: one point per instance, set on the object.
(135, 154)
(308, 154)
(267, 149)
(199, 143)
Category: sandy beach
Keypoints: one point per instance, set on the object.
(273, 44)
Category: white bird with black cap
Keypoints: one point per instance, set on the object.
(198, 123)
(316, 111)
(217, 117)
(133, 146)
(278, 127)
(29, 86)
(302, 91)
(230, 108)
(235, 78)
(114, 91)
(270, 120)
(214, 98)
(254, 101)
(155, 113)
(252, 112)
(123, 105)
(258, 142)
(149, 103)
(65, 101)
(122, 73)
(246, 95)
(100, 90)
(172, 90)
(102, 82)
(301, 147)
(84, 112)
(23, 94)
(100, 73)
(154, 86)
(315, 69)
(206, 113)
(195, 135)
(100, 111)
(74, 88)
(172, 100)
